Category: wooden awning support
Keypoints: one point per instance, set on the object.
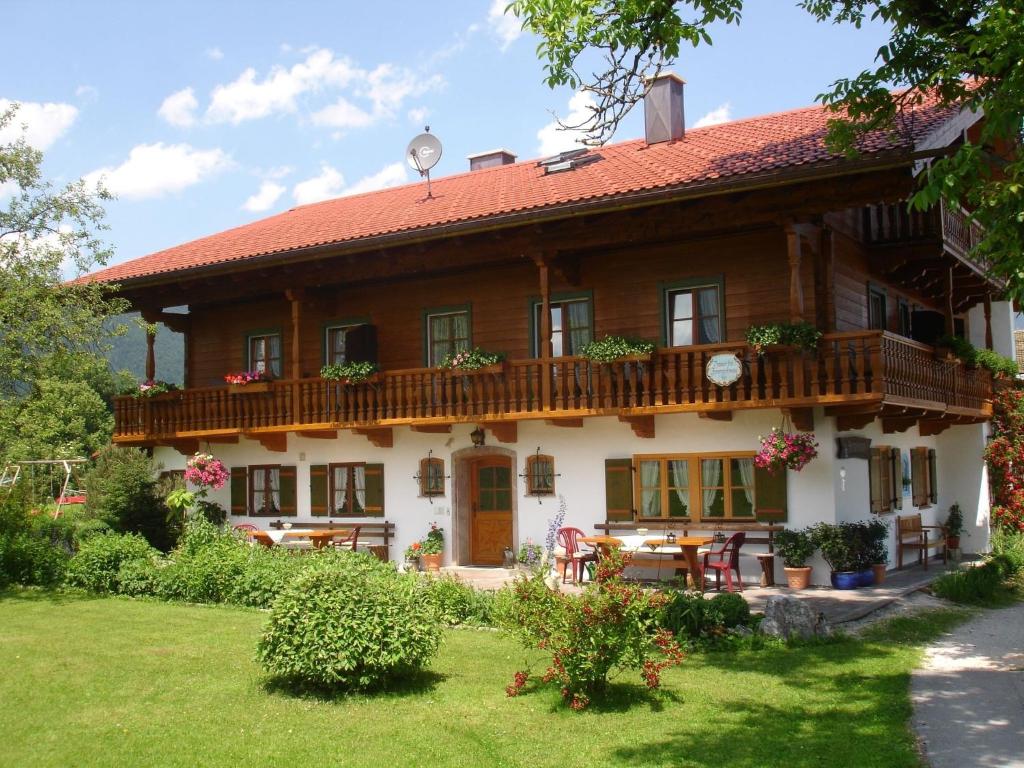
(150, 354)
(295, 296)
(543, 262)
(988, 320)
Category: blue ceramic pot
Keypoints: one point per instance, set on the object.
(865, 578)
(845, 579)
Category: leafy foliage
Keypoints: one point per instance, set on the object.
(356, 625)
(612, 348)
(456, 603)
(1004, 456)
(470, 359)
(97, 565)
(803, 335)
(350, 372)
(691, 616)
(794, 546)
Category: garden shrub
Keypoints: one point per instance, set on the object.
(122, 491)
(140, 577)
(99, 560)
(686, 614)
(731, 609)
(205, 566)
(457, 603)
(28, 554)
(1009, 544)
(611, 626)
(349, 623)
(266, 573)
(970, 586)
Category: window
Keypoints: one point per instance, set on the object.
(696, 487)
(876, 309)
(904, 310)
(348, 489)
(540, 475)
(265, 354)
(447, 333)
(571, 326)
(265, 490)
(693, 315)
(885, 475)
(336, 344)
(923, 478)
(431, 476)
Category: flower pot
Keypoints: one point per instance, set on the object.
(412, 565)
(251, 387)
(845, 579)
(879, 570)
(952, 542)
(865, 578)
(431, 562)
(798, 578)
(508, 559)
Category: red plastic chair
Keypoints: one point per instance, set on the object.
(349, 542)
(577, 557)
(727, 559)
(246, 527)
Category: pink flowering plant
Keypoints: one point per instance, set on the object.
(470, 359)
(205, 472)
(247, 377)
(786, 450)
(154, 387)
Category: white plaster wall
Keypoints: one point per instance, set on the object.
(1002, 327)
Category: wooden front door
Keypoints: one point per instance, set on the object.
(491, 513)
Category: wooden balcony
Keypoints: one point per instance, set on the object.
(858, 376)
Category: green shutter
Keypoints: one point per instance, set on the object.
(239, 491)
(288, 505)
(375, 490)
(618, 489)
(933, 478)
(770, 495)
(318, 490)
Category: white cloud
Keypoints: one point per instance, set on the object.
(720, 114)
(342, 114)
(554, 139)
(389, 176)
(215, 53)
(41, 124)
(264, 198)
(277, 172)
(154, 170)
(328, 184)
(387, 86)
(248, 98)
(87, 93)
(179, 109)
(417, 115)
(506, 26)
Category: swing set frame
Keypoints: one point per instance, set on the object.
(12, 473)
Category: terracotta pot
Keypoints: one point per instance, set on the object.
(431, 562)
(879, 569)
(798, 578)
(952, 542)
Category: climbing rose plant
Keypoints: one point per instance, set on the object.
(786, 450)
(1004, 457)
(609, 628)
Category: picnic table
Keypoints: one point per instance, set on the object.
(684, 546)
(318, 537)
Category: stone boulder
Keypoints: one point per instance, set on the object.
(786, 617)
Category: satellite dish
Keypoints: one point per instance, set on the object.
(423, 152)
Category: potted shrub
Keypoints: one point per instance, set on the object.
(786, 450)
(432, 548)
(795, 548)
(613, 349)
(835, 544)
(953, 527)
(878, 548)
(355, 372)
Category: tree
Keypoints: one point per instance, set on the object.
(51, 330)
(962, 53)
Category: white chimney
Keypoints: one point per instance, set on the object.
(663, 109)
(489, 159)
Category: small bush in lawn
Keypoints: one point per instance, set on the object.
(732, 609)
(971, 586)
(28, 559)
(140, 578)
(611, 626)
(349, 623)
(205, 566)
(98, 563)
(1009, 544)
(457, 603)
(266, 574)
(686, 614)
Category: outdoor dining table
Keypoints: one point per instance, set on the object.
(684, 545)
(319, 538)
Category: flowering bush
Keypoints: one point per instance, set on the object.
(531, 555)
(348, 373)
(413, 551)
(1004, 456)
(247, 377)
(611, 626)
(206, 472)
(786, 450)
(470, 359)
(612, 348)
(433, 542)
(154, 387)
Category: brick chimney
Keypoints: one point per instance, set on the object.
(663, 109)
(489, 159)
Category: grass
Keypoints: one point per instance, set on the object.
(114, 682)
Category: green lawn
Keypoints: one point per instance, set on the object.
(97, 682)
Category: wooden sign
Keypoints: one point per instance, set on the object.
(724, 369)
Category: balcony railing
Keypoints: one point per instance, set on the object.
(869, 367)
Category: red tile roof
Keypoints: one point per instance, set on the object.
(705, 156)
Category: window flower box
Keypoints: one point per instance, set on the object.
(249, 389)
(248, 381)
(618, 349)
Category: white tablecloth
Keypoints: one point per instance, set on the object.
(635, 543)
(277, 535)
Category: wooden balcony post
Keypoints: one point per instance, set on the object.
(988, 320)
(950, 326)
(150, 353)
(826, 298)
(543, 260)
(295, 296)
(796, 290)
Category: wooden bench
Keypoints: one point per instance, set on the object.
(377, 533)
(910, 534)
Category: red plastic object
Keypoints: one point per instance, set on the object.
(567, 538)
(727, 560)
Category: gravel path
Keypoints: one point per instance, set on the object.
(969, 694)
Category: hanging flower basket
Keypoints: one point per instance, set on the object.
(786, 450)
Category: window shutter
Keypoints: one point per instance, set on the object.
(239, 491)
(896, 477)
(374, 490)
(318, 490)
(361, 343)
(288, 504)
(618, 489)
(770, 495)
(918, 477)
(933, 478)
(878, 474)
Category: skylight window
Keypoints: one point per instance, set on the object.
(568, 160)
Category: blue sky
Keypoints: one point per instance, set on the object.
(203, 116)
